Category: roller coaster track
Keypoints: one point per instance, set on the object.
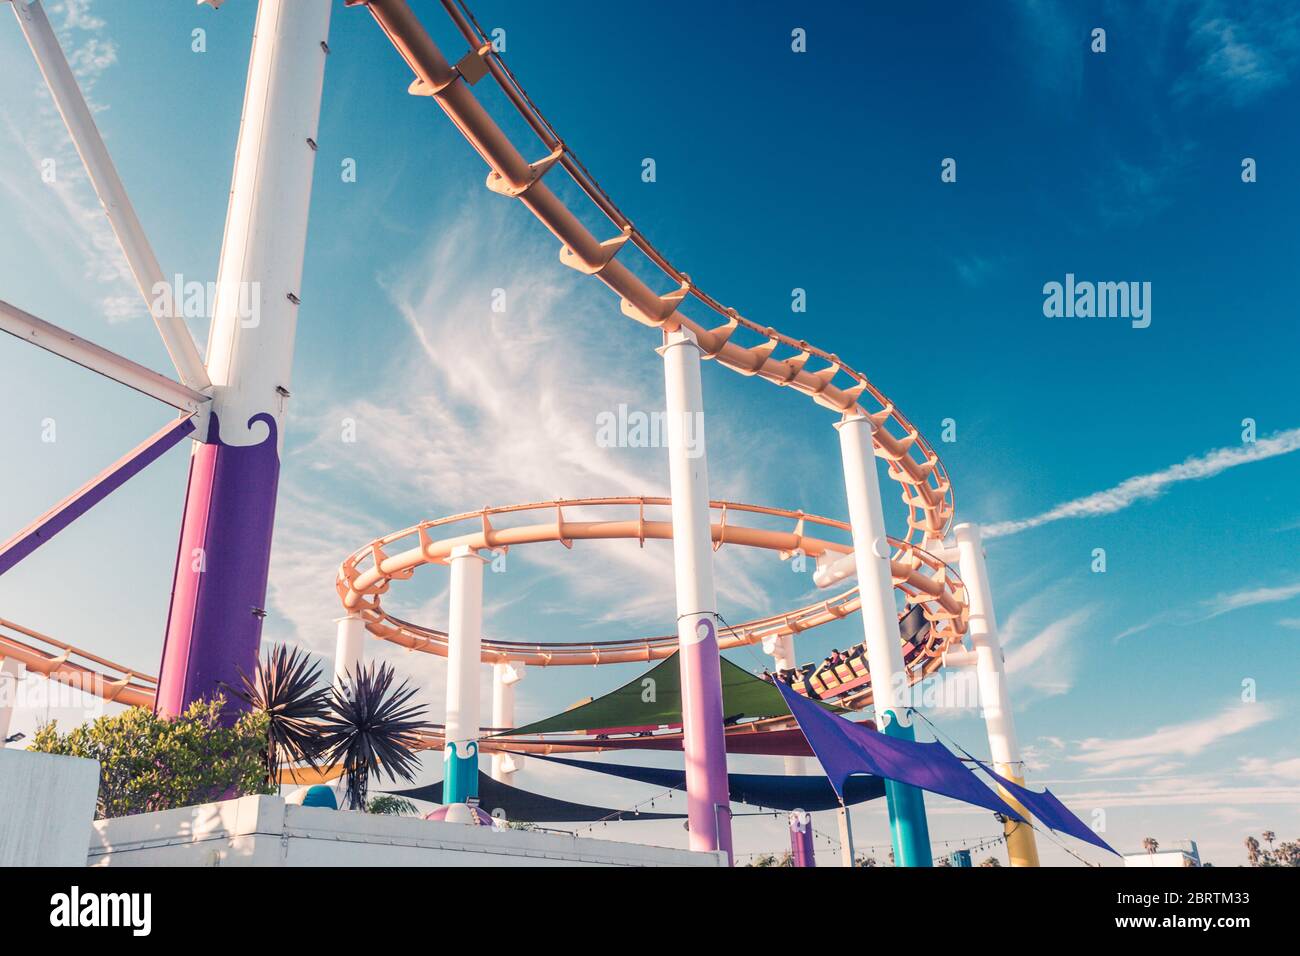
(75, 667)
(913, 463)
(368, 573)
(772, 356)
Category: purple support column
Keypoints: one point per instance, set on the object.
(214, 625)
(801, 839)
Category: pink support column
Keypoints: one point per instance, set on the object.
(801, 839)
(708, 805)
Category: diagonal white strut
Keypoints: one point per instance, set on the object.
(74, 348)
(108, 186)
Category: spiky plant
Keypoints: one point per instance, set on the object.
(372, 728)
(284, 689)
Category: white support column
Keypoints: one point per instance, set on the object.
(464, 653)
(871, 561)
(781, 649)
(349, 648)
(880, 626)
(990, 671)
(846, 836)
(505, 675)
(12, 671)
(708, 803)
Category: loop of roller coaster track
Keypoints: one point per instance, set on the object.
(367, 574)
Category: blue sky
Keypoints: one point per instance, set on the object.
(775, 170)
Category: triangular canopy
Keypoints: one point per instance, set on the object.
(524, 806)
(1048, 808)
(655, 699)
(845, 748)
(775, 791)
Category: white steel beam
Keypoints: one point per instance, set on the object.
(29, 328)
(108, 186)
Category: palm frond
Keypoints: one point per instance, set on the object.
(284, 688)
(372, 728)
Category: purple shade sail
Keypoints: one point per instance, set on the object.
(845, 748)
(1049, 810)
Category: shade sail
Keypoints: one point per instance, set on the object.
(655, 699)
(773, 743)
(778, 792)
(523, 806)
(1049, 810)
(845, 748)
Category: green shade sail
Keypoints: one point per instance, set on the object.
(655, 698)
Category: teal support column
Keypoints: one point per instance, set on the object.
(909, 830)
(464, 650)
(459, 772)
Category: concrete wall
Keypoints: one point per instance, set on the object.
(47, 805)
(264, 831)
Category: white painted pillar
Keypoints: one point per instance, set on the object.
(846, 836)
(871, 560)
(349, 648)
(781, 648)
(880, 626)
(464, 651)
(12, 671)
(990, 671)
(505, 675)
(708, 803)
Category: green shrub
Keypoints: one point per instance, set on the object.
(150, 763)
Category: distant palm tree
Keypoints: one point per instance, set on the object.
(990, 861)
(284, 689)
(1269, 836)
(1150, 845)
(1252, 850)
(372, 728)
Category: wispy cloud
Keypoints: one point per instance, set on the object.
(1043, 648)
(1180, 741)
(64, 217)
(1153, 485)
(1240, 52)
(500, 408)
(1288, 769)
(1219, 605)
